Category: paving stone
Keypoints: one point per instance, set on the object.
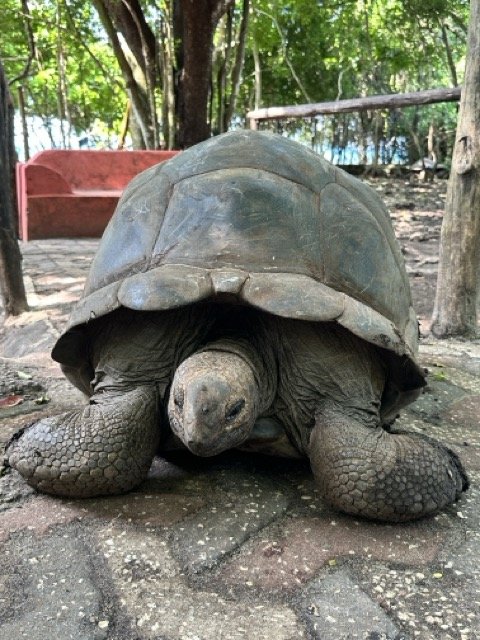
(443, 430)
(437, 397)
(156, 596)
(302, 546)
(465, 412)
(463, 355)
(42, 512)
(179, 474)
(469, 455)
(37, 515)
(11, 423)
(62, 395)
(460, 378)
(49, 590)
(337, 609)
(20, 381)
(13, 418)
(42, 398)
(219, 529)
(426, 603)
(13, 488)
(20, 341)
(465, 557)
(240, 470)
(149, 509)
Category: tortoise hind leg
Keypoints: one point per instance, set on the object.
(105, 448)
(384, 476)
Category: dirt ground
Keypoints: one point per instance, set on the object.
(416, 209)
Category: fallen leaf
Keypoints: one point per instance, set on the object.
(24, 376)
(10, 401)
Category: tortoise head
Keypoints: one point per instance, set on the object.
(213, 402)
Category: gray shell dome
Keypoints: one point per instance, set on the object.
(264, 219)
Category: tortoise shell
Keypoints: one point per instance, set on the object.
(261, 219)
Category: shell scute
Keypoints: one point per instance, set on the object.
(263, 219)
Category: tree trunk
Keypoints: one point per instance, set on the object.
(117, 17)
(238, 66)
(198, 20)
(193, 23)
(455, 310)
(167, 63)
(23, 117)
(11, 280)
(258, 75)
(226, 39)
(448, 53)
(197, 38)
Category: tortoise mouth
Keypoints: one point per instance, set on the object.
(203, 449)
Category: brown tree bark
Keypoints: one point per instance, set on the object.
(139, 69)
(199, 19)
(166, 57)
(194, 80)
(238, 66)
(11, 280)
(194, 23)
(455, 310)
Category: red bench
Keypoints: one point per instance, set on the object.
(72, 194)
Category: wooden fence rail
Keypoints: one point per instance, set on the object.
(390, 101)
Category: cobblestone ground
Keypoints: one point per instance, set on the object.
(232, 547)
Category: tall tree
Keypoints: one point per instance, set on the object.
(198, 19)
(284, 52)
(136, 57)
(143, 58)
(11, 280)
(458, 285)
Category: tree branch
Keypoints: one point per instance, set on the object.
(32, 50)
(284, 52)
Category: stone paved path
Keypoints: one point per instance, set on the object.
(232, 547)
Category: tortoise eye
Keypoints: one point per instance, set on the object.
(234, 410)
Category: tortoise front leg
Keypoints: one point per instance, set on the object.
(105, 448)
(384, 476)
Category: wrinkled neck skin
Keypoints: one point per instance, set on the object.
(217, 395)
(131, 347)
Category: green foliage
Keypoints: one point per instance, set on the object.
(308, 51)
(68, 71)
(346, 49)
(352, 48)
(439, 376)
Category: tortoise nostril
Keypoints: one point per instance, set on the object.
(205, 409)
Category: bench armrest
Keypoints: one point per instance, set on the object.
(39, 180)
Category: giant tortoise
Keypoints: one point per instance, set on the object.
(246, 293)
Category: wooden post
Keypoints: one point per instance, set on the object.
(455, 310)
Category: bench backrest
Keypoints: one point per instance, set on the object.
(97, 170)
